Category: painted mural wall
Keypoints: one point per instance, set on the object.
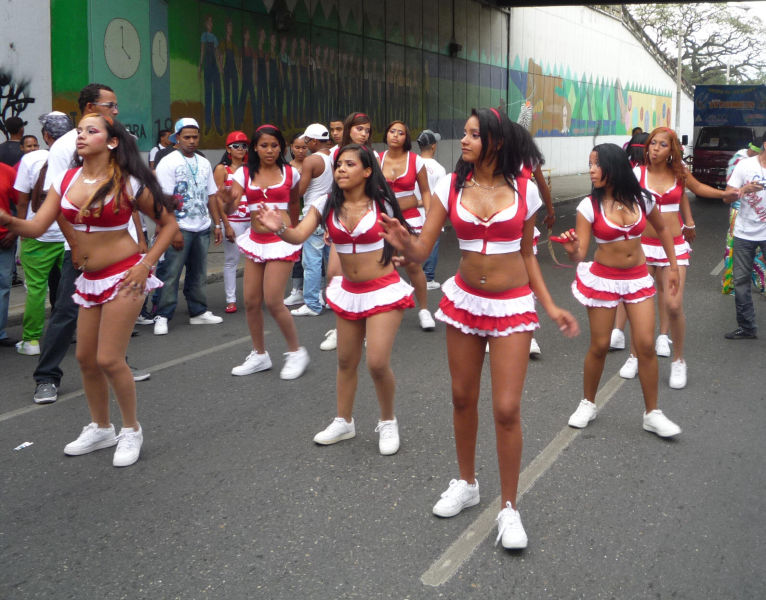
(25, 72)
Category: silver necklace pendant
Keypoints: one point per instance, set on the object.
(92, 181)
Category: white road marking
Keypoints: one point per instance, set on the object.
(448, 564)
(718, 269)
(160, 367)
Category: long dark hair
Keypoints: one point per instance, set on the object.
(531, 155)
(253, 160)
(500, 141)
(617, 172)
(407, 137)
(637, 148)
(124, 161)
(375, 188)
(353, 119)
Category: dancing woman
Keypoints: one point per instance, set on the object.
(665, 176)
(615, 214)
(491, 298)
(98, 199)
(369, 298)
(404, 170)
(267, 178)
(235, 222)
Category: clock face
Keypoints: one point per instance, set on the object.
(159, 54)
(122, 48)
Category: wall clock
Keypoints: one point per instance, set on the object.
(122, 48)
(159, 54)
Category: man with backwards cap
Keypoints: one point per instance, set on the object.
(427, 140)
(316, 181)
(42, 255)
(188, 177)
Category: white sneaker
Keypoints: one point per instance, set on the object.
(141, 320)
(128, 447)
(206, 318)
(160, 326)
(678, 374)
(335, 432)
(433, 285)
(662, 345)
(617, 341)
(534, 348)
(253, 363)
(92, 438)
(658, 423)
(459, 495)
(296, 364)
(28, 347)
(295, 297)
(585, 413)
(330, 340)
(510, 530)
(304, 311)
(630, 368)
(427, 322)
(389, 437)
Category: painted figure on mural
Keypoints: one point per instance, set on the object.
(306, 112)
(295, 85)
(248, 81)
(274, 80)
(209, 70)
(283, 62)
(260, 110)
(227, 51)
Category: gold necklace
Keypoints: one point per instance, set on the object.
(481, 186)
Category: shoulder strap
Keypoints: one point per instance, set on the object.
(521, 183)
(67, 180)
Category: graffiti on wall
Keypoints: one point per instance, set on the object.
(14, 97)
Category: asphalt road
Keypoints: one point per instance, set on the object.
(231, 498)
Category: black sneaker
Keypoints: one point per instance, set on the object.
(741, 334)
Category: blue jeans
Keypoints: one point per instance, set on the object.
(60, 329)
(315, 253)
(7, 262)
(744, 253)
(193, 256)
(429, 267)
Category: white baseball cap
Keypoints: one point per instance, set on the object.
(316, 131)
(181, 124)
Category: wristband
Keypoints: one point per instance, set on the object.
(142, 263)
(689, 227)
(281, 230)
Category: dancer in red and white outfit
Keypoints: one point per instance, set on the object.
(267, 178)
(238, 221)
(98, 200)
(616, 214)
(405, 170)
(369, 298)
(492, 297)
(665, 177)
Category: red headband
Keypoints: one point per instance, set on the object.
(357, 115)
(267, 125)
(637, 145)
(497, 114)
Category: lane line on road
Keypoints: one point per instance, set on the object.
(160, 367)
(718, 269)
(448, 564)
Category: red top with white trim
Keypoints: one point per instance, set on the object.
(498, 234)
(365, 237)
(242, 213)
(669, 200)
(604, 231)
(405, 184)
(277, 195)
(108, 220)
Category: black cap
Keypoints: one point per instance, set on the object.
(14, 124)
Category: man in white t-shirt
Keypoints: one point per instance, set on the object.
(42, 255)
(163, 142)
(749, 234)
(428, 140)
(188, 177)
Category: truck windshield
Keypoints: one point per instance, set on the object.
(724, 138)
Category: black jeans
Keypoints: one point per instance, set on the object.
(61, 327)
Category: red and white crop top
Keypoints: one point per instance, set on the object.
(108, 220)
(604, 231)
(405, 184)
(365, 237)
(670, 200)
(277, 195)
(501, 232)
(242, 212)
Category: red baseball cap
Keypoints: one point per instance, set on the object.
(236, 136)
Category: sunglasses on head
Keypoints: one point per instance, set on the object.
(238, 146)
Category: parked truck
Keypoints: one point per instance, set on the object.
(726, 118)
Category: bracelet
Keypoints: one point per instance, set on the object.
(689, 227)
(217, 226)
(143, 264)
(281, 230)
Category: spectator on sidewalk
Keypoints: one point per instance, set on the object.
(162, 143)
(10, 150)
(29, 143)
(42, 255)
(189, 178)
(428, 140)
(7, 250)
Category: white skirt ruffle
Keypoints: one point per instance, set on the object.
(262, 247)
(358, 300)
(99, 287)
(598, 286)
(655, 253)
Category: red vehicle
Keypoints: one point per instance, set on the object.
(714, 148)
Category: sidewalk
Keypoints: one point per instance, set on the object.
(564, 188)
